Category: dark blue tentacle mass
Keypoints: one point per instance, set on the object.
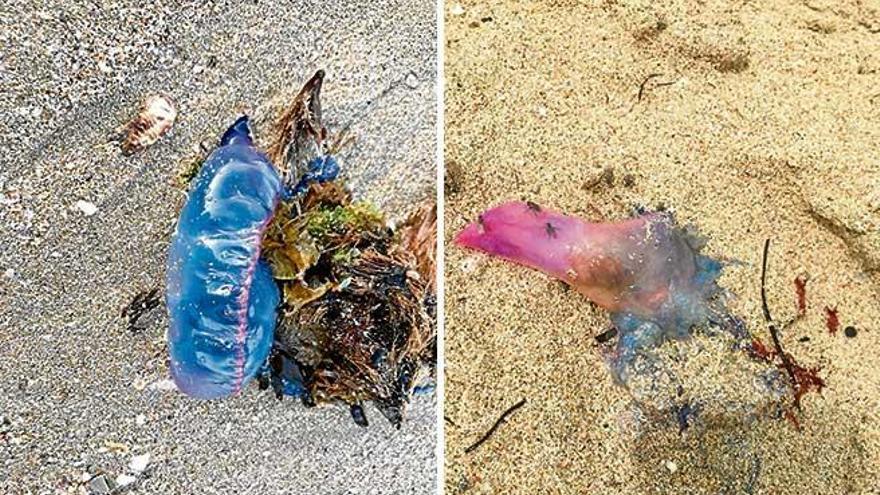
(321, 169)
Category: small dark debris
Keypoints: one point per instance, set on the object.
(142, 303)
(685, 416)
(475, 24)
(850, 331)
(551, 230)
(821, 27)
(832, 320)
(800, 287)
(359, 416)
(645, 83)
(449, 421)
(606, 335)
(629, 180)
(452, 180)
(533, 207)
(735, 63)
(804, 339)
(486, 19)
(606, 177)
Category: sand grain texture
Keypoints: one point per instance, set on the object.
(760, 121)
(81, 394)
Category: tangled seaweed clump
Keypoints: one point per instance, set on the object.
(357, 307)
(357, 318)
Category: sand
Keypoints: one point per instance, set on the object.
(81, 395)
(761, 122)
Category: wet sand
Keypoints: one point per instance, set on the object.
(749, 122)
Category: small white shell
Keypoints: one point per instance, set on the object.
(155, 118)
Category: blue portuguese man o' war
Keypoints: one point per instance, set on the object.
(220, 294)
(275, 272)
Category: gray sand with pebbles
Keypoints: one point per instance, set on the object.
(80, 395)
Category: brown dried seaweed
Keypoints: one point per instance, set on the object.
(365, 339)
(418, 235)
(358, 306)
(298, 130)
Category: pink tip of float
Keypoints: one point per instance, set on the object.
(524, 233)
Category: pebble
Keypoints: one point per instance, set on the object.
(86, 207)
(125, 479)
(139, 463)
(140, 420)
(456, 9)
(100, 484)
(166, 385)
(671, 466)
(411, 81)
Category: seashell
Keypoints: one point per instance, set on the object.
(154, 119)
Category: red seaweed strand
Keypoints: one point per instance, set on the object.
(760, 351)
(800, 287)
(831, 320)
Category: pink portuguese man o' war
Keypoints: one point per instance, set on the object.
(646, 271)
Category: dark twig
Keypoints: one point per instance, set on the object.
(763, 282)
(491, 431)
(774, 333)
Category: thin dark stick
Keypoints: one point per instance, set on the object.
(763, 282)
(774, 333)
(491, 431)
